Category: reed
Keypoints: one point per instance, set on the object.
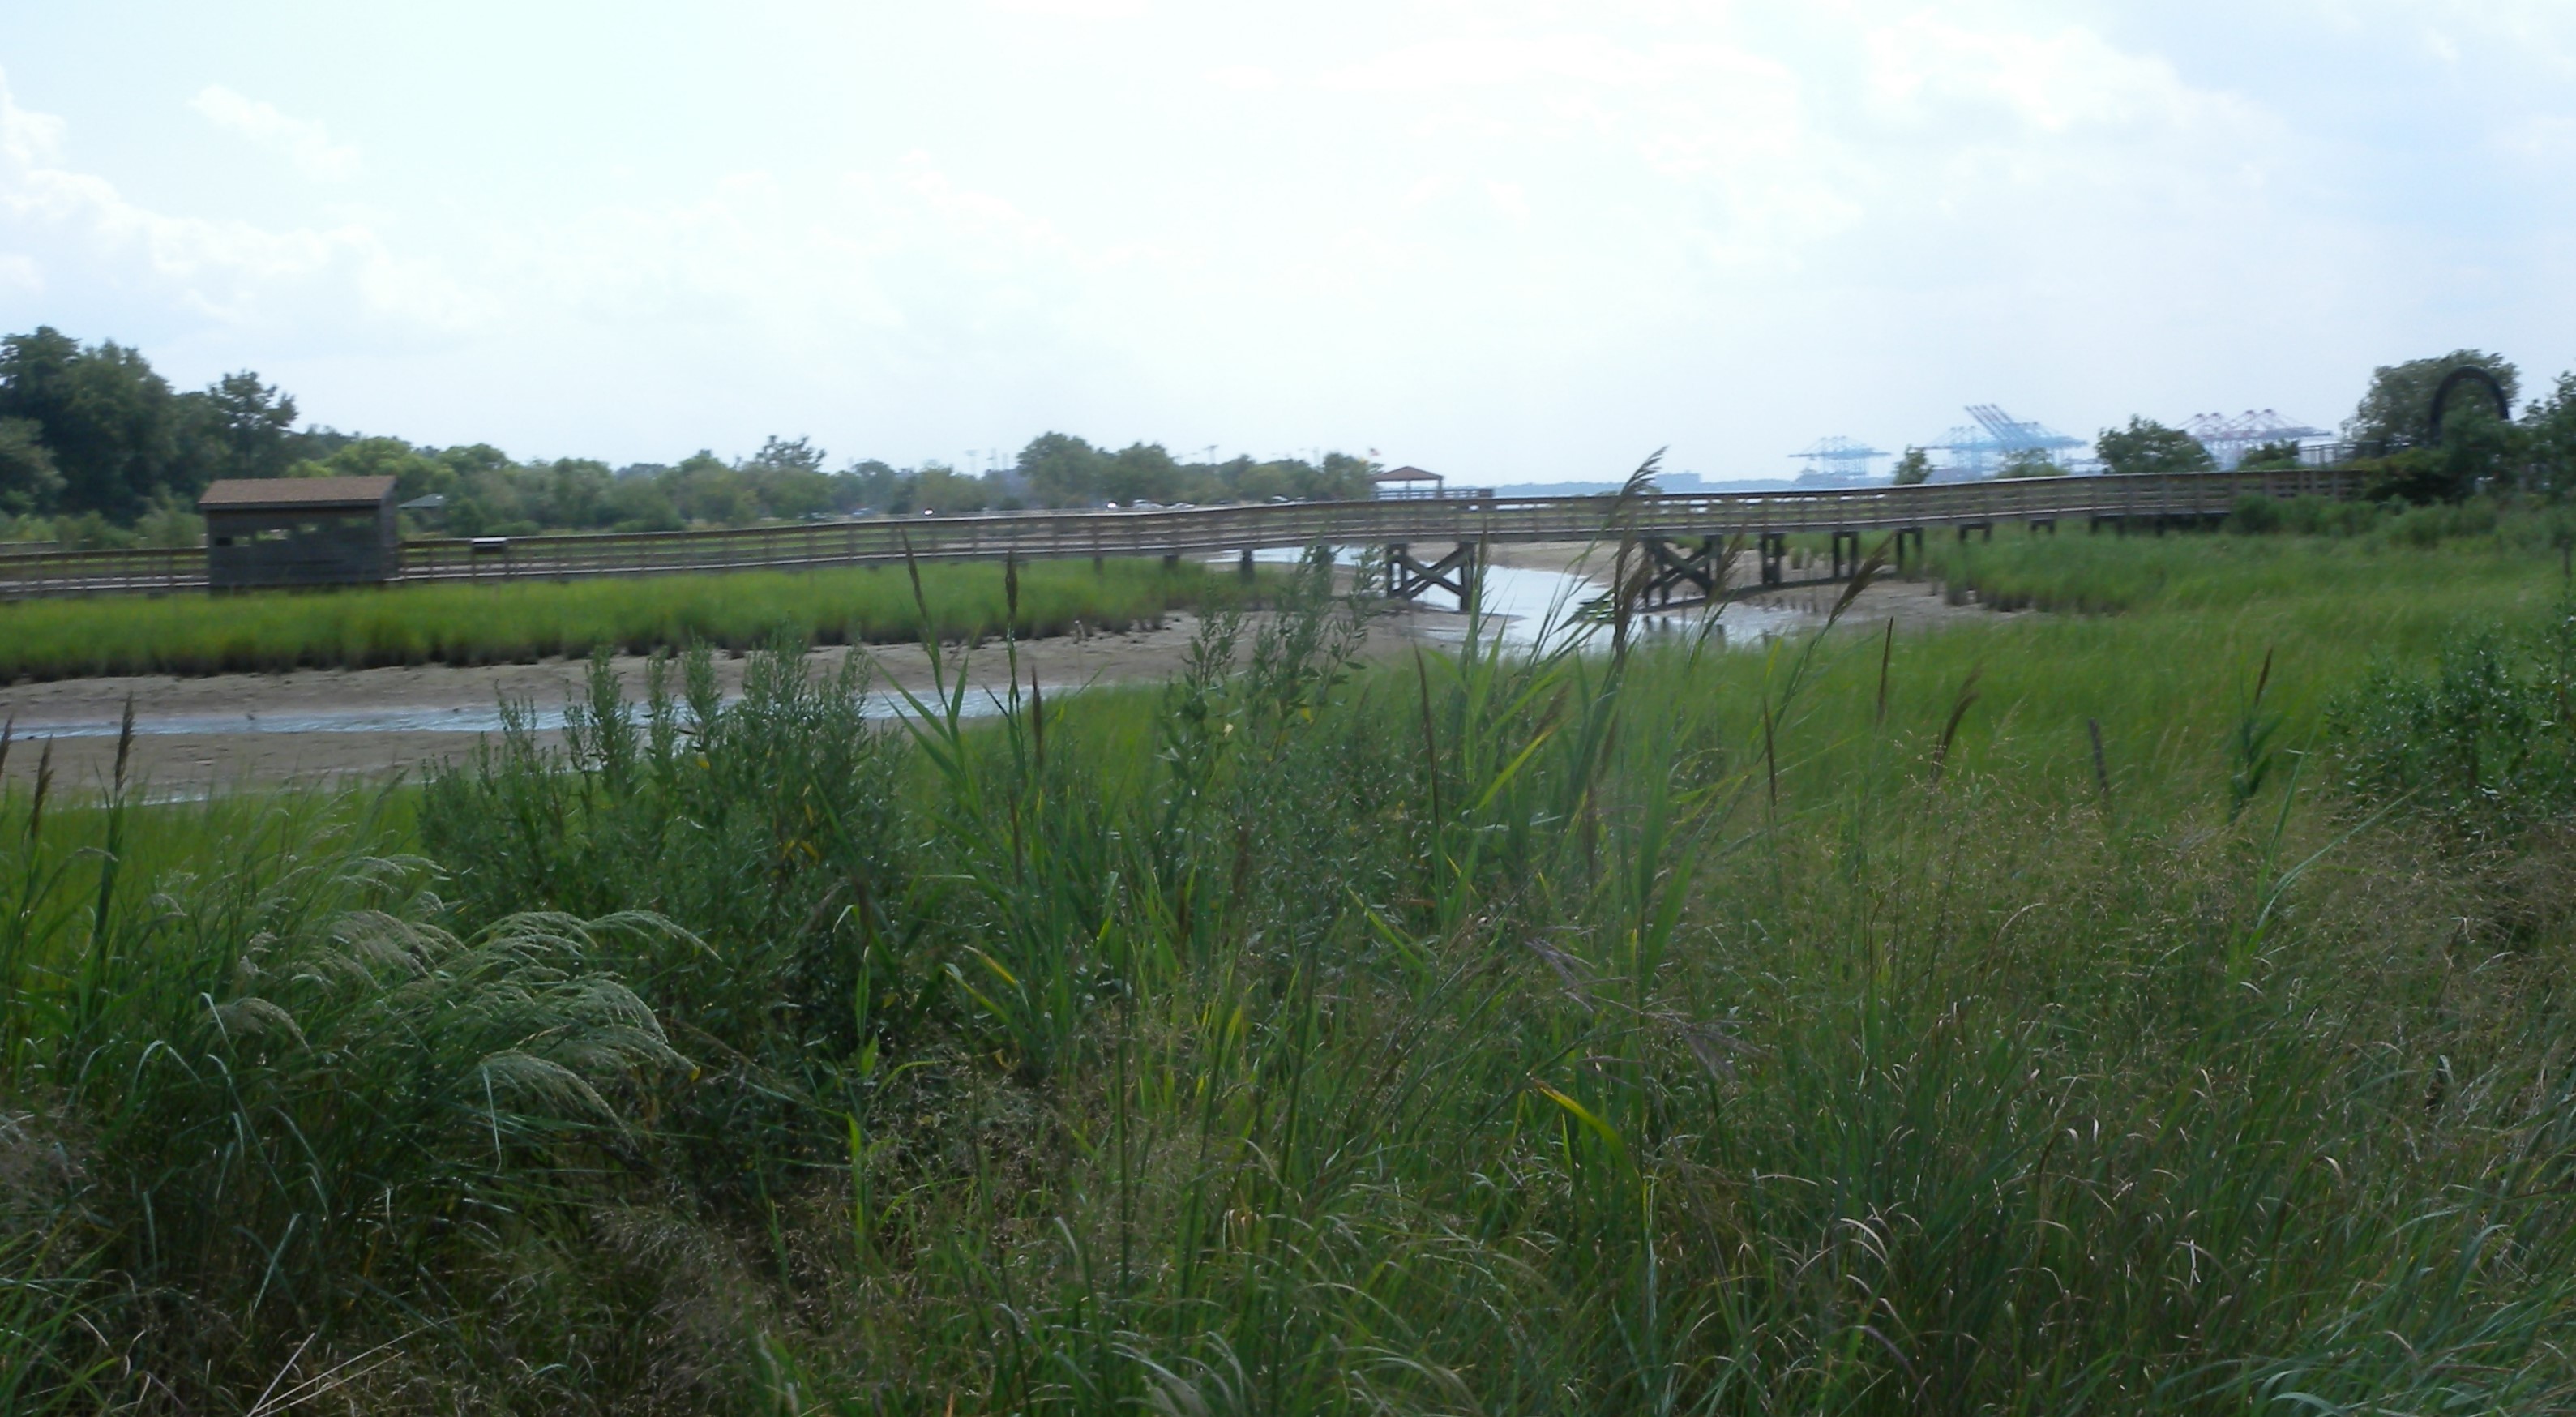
(512, 622)
(1633, 1025)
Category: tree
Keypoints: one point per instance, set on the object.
(2473, 447)
(1347, 478)
(242, 428)
(415, 472)
(1063, 471)
(2550, 428)
(1248, 481)
(641, 504)
(1913, 468)
(786, 455)
(866, 484)
(1142, 472)
(572, 492)
(708, 489)
(2146, 446)
(110, 424)
(940, 488)
(2283, 453)
(2029, 462)
(786, 477)
(29, 481)
(35, 382)
(2399, 402)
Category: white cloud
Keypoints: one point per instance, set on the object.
(227, 270)
(1486, 61)
(2052, 82)
(300, 140)
(2547, 139)
(1243, 78)
(1074, 9)
(1496, 232)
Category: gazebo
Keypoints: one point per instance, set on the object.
(1407, 482)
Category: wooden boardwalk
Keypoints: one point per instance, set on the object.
(1214, 531)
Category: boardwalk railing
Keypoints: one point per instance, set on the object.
(25, 574)
(1209, 531)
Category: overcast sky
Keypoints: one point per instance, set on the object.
(1507, 241)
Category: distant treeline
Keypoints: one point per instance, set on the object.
(97, 449)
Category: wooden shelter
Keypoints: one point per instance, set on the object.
(1407, 482)
(300, 531)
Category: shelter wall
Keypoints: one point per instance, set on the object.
(278, 546)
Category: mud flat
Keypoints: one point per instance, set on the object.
(195, 735)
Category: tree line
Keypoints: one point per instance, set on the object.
(98, 449)
(91, 431)
(2389, 431)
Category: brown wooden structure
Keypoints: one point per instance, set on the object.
(1406, 483)
(1691, 528)
(300, 531)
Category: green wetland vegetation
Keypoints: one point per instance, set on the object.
(516, 621)
(2157, 1010)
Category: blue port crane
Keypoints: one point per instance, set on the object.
(1979, 450)
(1836, 462)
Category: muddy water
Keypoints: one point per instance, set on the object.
(1529, 605)
(456, 718)
(1521, 606)
(197, 734)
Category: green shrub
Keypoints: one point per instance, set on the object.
(2325, 516)
(2482, 739)
(2255, 515)
(2434, 524)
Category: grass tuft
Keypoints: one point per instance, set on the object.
(513, 622)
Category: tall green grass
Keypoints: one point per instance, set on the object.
(2420, 565)
(510, 622)
(1829, 1028)
(256, 1094)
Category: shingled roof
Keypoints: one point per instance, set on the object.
(295, 494)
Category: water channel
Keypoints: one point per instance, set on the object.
(1523, 606)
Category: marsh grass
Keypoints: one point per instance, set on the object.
(2418, 566)
(266, 1093)
(511, 622)
(1662, 1029)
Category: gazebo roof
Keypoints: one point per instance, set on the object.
(1406, 474)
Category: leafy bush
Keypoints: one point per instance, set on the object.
(2255, 515)
(2482, 740)
(2433, 524)
(2324, 516)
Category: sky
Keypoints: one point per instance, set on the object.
(1506, 240)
